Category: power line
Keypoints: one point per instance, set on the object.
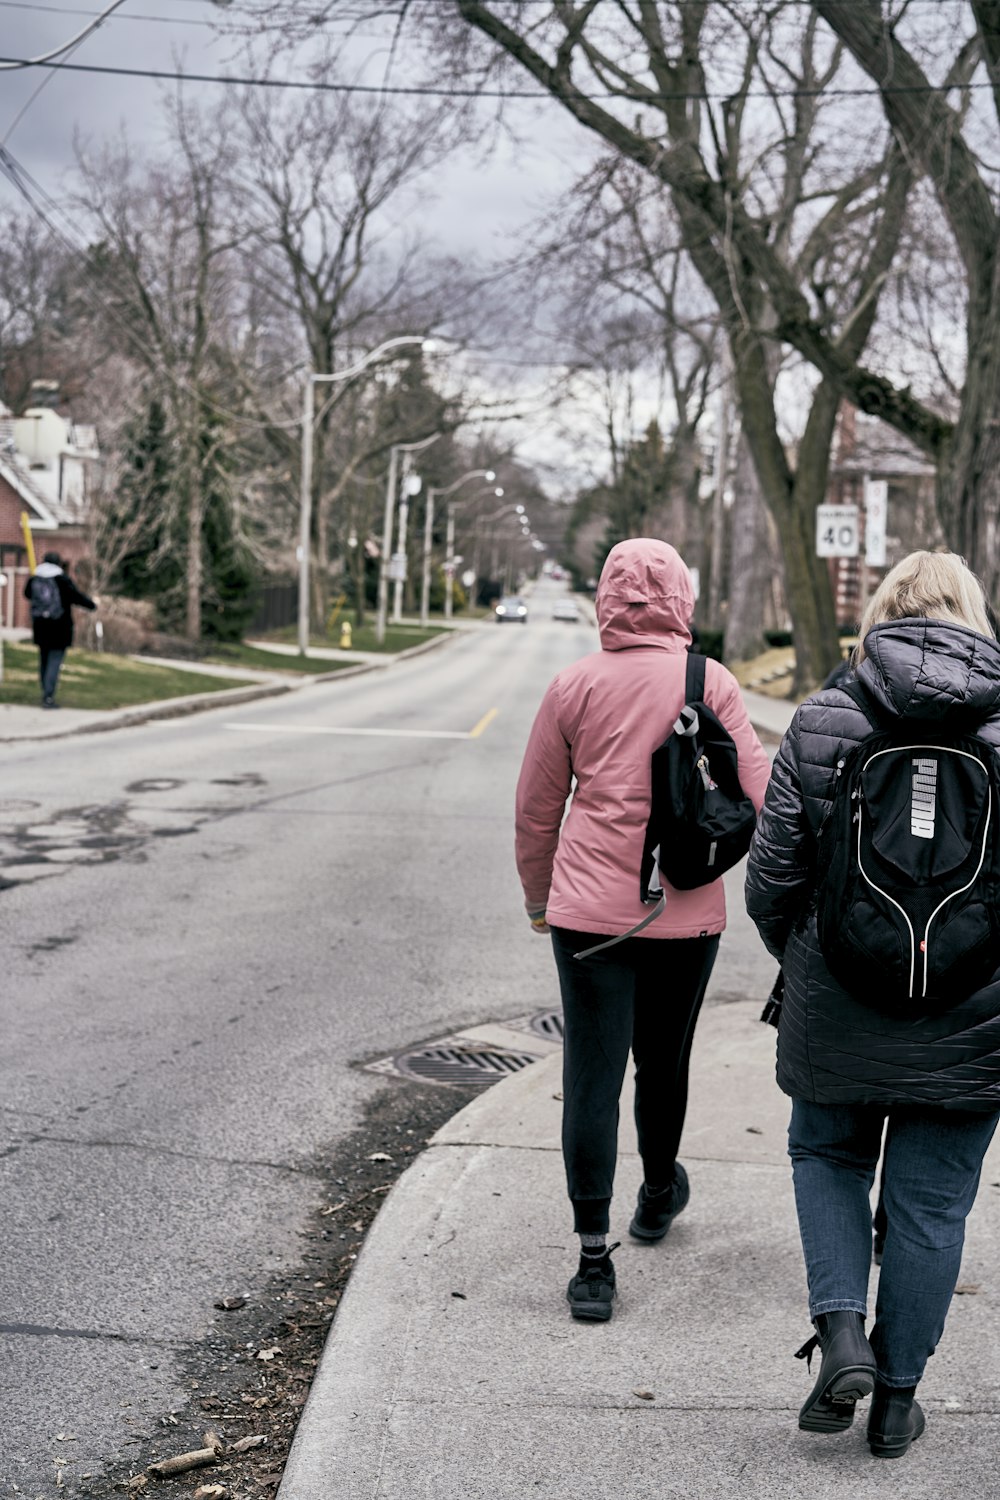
(66, 10)
(649, 96)
(10, 63)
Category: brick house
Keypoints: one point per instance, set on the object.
(866, 448)
(46, 464)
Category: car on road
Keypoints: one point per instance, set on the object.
(512, 607)
(566, 609)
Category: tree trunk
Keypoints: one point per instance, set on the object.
(751, 563)
(792, 499)
(968, 478)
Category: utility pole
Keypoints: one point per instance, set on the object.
(383, 565)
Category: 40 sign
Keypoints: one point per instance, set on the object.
(838, 531)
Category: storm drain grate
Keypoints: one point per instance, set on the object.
(470, 1066)
(549, 1024)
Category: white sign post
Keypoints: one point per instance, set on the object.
(876, 519)
(838, 531)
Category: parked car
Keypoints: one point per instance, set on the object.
(511, 607)
(566, 609)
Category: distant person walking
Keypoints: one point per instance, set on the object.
(598, 725)
(52, 594)
(919, 809)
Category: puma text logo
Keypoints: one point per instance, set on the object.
(924, 800)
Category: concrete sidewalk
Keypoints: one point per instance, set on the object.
(453, 1369)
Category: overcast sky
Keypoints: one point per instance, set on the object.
(478, 209)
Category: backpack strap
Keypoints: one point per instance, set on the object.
(649, 880)
(694, 678)
(864, 701)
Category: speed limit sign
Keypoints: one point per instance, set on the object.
(837, 531)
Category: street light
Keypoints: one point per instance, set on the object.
(305, 481)
(390, 506)
(449, 552)
(425, 582)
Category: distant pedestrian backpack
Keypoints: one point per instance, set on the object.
(700, 819)
(909, 866)
(46, 600)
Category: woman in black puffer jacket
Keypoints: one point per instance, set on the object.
(928, 655)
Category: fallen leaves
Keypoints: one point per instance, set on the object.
(247, 1444)
(266, 1354)
(380, 1156)
(211, 1492)
(230, 1304)
(644, 1395)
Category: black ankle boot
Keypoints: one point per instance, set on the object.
(894, 1422)
(847, 1372)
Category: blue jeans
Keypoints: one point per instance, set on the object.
(50, 659)
(933, 1159)
(645, 993)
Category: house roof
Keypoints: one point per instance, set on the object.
(42, 514)
(879, 450)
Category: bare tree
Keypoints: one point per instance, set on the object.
(939, 139)
(771, 212)
(165, 267)
(317, 181)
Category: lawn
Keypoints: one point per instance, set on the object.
(397, 637)
(242, 655)
(101, 680)
(769, 673)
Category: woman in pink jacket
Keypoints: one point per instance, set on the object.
(598, 725)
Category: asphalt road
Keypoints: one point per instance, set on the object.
(208, 923)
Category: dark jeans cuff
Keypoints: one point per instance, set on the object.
(591, 1215)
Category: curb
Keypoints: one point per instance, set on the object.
(177, 708)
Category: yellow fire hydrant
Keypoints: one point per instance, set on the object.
(345, 636)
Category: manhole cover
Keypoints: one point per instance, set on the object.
(468, 1066)
(549, 1024)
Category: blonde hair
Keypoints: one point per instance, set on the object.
(927, 585)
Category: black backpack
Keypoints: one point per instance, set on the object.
(700, 819)
(46, 599)
(909, 853)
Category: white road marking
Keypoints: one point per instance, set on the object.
(410, 734)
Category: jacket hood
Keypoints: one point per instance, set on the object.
(932, 669)
(645, 597)
(47, 570)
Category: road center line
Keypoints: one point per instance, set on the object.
(484, 723)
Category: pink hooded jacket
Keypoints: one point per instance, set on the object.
(599, 722)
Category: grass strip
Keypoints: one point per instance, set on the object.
(100, 680)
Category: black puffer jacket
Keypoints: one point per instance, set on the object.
(832, 1049)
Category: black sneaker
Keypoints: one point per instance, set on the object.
(654, 1214)
(592, 1290)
